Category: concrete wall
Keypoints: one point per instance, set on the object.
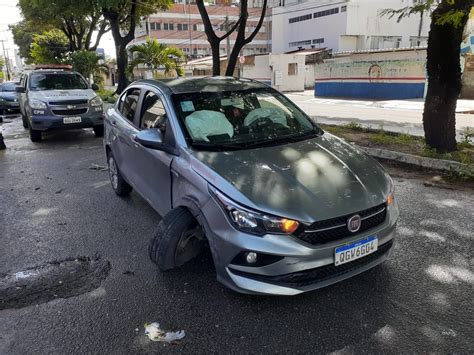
(384, 75)
(327, 27)
(360, 24)
(258, 68)
(281, 79)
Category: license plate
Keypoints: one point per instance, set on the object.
(350, 252)
(72, 120)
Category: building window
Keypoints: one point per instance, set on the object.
(318, 41)
(344, 8)
(300, 43)
(165, 26)
(385, 42)
(416, 41)
(152, 26)
(292, 68)
(185, 26)
(158, 26)
(171, 27)
(300, 18)
(180, 27)
(195, 27)
(326, 12)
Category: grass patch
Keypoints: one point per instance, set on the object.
(402, 142)
(107, 95)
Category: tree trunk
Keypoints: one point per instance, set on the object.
(122, 64)
(444, 81)
(216, 58)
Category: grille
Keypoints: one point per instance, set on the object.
(320, 274)
(74, 112)
(10, 99)
(68, 102)
(334, 229)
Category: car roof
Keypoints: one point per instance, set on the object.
(51, 71)
(203, 84)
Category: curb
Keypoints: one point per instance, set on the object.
(430, 163)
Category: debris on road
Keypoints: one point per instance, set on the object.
(98, 167)
(2, 143)
(154, 333)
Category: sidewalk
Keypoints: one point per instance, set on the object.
(404, 116)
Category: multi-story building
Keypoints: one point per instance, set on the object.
(345, 25)
(181, 26)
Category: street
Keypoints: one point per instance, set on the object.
(403, 116)
(57, 204)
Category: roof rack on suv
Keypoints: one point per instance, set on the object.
(52, 66)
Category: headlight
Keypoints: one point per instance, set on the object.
(252, 221)
(96, 101)
(37, 105)
(390, 196)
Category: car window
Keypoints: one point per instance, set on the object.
(8, 86)
(57, 81)
(241, 118)
(128, 104)
(153, 114)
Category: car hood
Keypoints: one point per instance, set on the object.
(10, 95)
(309, 180)
(58, 95)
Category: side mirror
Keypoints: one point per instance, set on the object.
(150, 138)
(20, 89)
(95, 87)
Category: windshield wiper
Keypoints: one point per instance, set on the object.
(296, 137)
(218, 146)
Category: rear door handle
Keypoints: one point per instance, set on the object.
(114, 123)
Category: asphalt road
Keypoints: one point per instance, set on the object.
(53, 207)
(404, 116)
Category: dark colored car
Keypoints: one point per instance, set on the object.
(9, 99)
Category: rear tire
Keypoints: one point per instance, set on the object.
(35, 135)
(120, 186)
(99, 130)
(178, 239)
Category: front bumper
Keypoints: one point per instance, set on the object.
(297, 267)
(9, 109)
(51, 122)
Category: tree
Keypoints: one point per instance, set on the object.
(78, 20)
(123, 16)
(50, 47)
(88, 64)
(156, 55)
(240, 40)
(23, 32)
(448, 19)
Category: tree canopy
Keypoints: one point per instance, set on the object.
(156, 55)
(78, 20)
(50, 47)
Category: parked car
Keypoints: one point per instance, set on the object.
(284, 206)
(9, 104)
(52, 99)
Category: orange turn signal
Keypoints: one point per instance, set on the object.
(390, 199)
(288, 225)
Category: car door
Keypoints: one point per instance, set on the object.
(124, 129)
(152, 167)
(22, 96)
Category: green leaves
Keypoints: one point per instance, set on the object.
(50, 47)
(448, 12)
(156, 55)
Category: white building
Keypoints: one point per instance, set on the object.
(345, 25)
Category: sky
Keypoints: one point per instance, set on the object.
(10, 14)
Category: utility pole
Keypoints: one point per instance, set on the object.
(7, 60)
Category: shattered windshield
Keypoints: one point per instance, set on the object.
(241, 119)
(57, 81)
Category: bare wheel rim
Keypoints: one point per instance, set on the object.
(189, 246)
(113, 174)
